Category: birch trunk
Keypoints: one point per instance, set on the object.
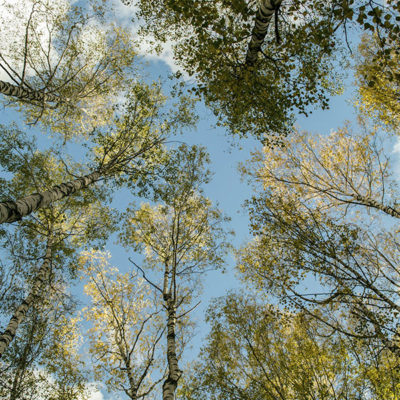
(25, 94)
(132, 392)
(265, 12)
(394, 212)
(174, 373)
(42, 276)
(11, 211)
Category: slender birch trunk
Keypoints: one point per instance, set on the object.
(11, 211)
(265, 12)
(42, 276)
(133, 389)
(174, 373)
(132, 392)
(379, 206)
(25, 94)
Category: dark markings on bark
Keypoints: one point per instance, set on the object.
(25, 94)
(41, 278)
(11, 211)
(265, 12)
(379, 206)
(174, 373)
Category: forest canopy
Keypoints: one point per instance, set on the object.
(132, 135)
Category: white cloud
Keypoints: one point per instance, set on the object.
(145, 45)
(124, 13)
(166, 55)
(96, 395)
(14, 18)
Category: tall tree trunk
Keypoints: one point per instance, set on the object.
(11, 211)
(39, 282)
(174, 373)
(264, 15)
(25, 94)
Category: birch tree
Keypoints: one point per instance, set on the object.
(132, 144)
(181, 238)
(63, 63)
(125, 327)
(42, 276)
(53, 234)
(255, 350)
(265, 12)
(42, 361)
(325, 232)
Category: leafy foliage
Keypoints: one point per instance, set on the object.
(254, 350)
(125, 327)
(378, 81)
(314, 224)
(295, 70)
(43, 360)
(69, 51)
(184, 229)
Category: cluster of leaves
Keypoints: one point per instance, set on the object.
(254, 350)
(323, 220)
(125, 327)
(184, 227)
(295, 70)
(43, 359)
(378, 82)
(247, 100)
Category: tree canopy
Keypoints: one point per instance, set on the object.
(324, 214)
(114, 243)
(295, 69)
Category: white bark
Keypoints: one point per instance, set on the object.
(42, 276)
(11, 211)
(25, 94)
(265, 12)
(174, 373)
